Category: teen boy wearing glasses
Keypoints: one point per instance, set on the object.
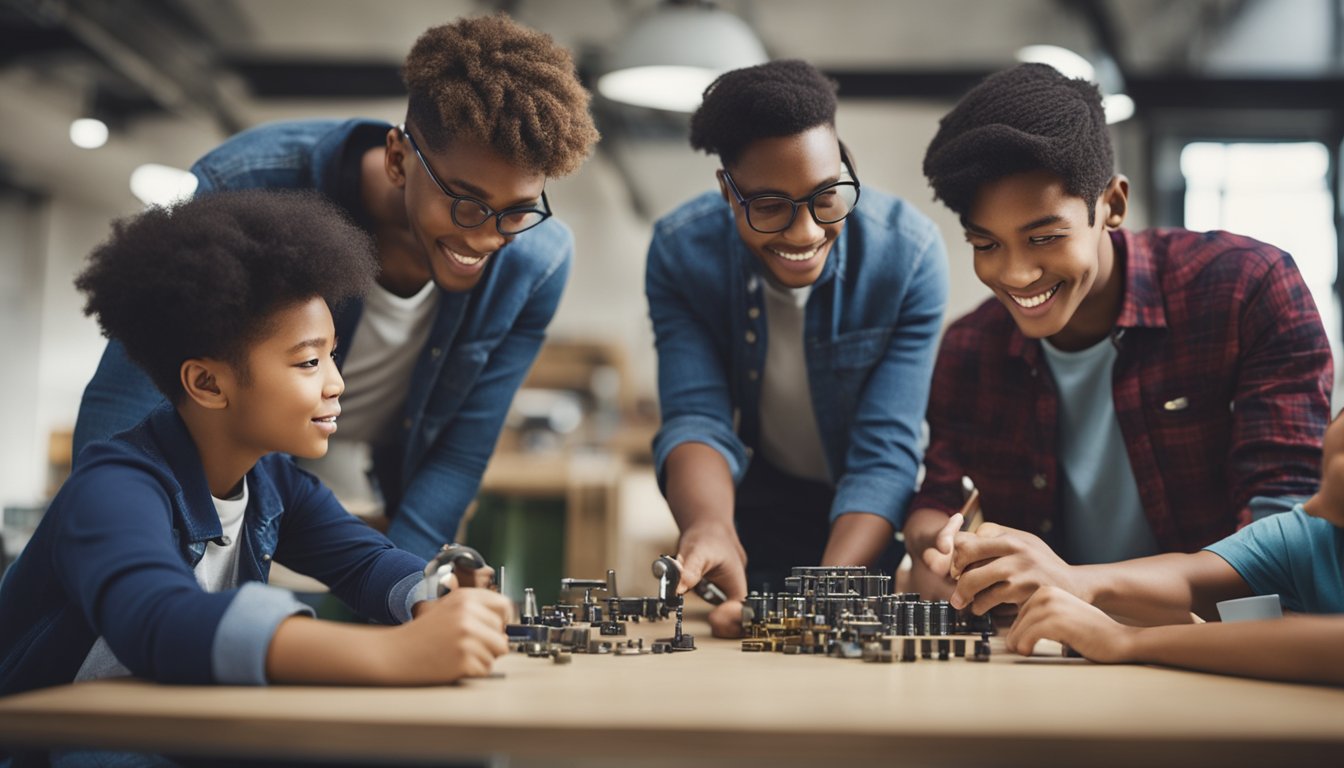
(1124, 393)
(471, 264)
(795, 329)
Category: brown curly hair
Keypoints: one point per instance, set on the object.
(493, 80)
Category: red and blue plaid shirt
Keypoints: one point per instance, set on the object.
(1221, 388)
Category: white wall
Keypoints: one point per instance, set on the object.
(21, 285)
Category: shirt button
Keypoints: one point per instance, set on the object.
(266, 557)
(754, 312)
(753, 374)
(1046, 527)
(1038, 482)
(751, 337)
(435, 352)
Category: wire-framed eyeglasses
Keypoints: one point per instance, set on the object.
(469, 212)
(768, 212)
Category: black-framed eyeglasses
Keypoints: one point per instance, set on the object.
(469, 212)
(768, 213)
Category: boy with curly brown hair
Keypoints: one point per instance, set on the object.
(471, 263)
(153, 559)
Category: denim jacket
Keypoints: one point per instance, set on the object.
(870, 330)
(480, 347)
(114, 555)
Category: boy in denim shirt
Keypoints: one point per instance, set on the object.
(153, 558)
(796, 321)
(471, 264)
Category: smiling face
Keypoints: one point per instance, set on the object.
(288, 400)
(1328, 503)
(453, 256)
(1034, 248)
(795, 167)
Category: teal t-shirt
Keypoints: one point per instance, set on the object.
(1293, 554)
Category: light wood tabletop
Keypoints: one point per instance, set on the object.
(720, 705)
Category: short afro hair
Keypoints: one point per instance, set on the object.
(204, 278)
(1026, 118)
(497, 82)
(778, 98)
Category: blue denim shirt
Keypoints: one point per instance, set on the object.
(113, 557)
(870, 330)
(479, 349)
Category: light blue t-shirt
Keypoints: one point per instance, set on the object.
(1103, 515)
(1293, 554)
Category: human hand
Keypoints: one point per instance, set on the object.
(997, 565)
(458, 635)
(1054, 614)
(714, 553)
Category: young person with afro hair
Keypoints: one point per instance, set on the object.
(1124, 393)
(153, 558)
(795, 322)
(471, 263)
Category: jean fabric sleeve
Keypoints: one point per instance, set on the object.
(117, 398)
(243, 638)
(447, 480)
(884, 455)
(319, 538)
(693, 388)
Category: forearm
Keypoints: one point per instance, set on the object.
(305, 650)
(700, 489)
(921, 528)
(1162, 589)
(857, 538)
(1308, 649)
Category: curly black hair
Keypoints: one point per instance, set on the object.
(204, 278)
(777, 98)
(1026, 118)
(511, 88)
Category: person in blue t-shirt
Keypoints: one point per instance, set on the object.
(1297, 554)
(796, 322)
(153, 558)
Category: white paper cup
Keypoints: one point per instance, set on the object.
(1251, 608)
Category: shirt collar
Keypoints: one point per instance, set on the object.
(195, 504)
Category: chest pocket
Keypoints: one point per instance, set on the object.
(458, 375)
(843, 367)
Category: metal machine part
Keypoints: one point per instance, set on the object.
(584, 626)
(849, 613)
(450, 557)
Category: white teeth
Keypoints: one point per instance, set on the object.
(804, 256)
(1037, 300)
(470, 262)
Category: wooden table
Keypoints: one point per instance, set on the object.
(718, 705)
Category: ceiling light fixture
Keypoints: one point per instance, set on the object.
(88, 133)
(158, 184)
(669, 56)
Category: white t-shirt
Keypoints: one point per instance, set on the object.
(379, 363)
(380, 360)
(790, 439)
